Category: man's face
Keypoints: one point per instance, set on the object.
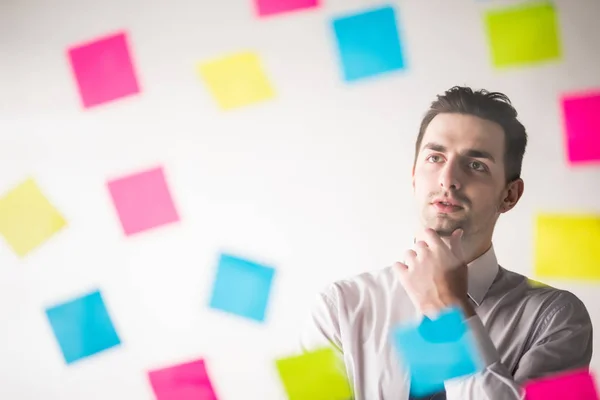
(459, 176)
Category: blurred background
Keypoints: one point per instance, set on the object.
(279, 132)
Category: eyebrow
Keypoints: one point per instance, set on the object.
(474, 153)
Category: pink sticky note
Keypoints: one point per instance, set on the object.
(573, 385)
(187, 381)
(271, 7)
(103, 70)
(581, 115)
(143, 201)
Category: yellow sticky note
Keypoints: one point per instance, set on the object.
(27, 218)
(567, 246)
(523, 34)
(314, 375)
(236, 80)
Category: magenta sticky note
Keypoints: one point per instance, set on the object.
(186, 381)
(572, 385)
(272, 7)
(581, 114)
(103, 70)
(143, 200)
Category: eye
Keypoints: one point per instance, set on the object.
(478, 166)
(434, 158)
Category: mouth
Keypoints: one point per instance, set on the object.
(447, 206)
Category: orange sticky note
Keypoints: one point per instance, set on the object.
(27, 219)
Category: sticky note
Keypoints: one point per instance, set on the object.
(82, 327)
(581, 116)
(314, 375)
(242, 287)
(27, 218)
(272, 7)
(524, 34)
(236, 80)
(143, 201)
(368, 43)
(572, 385)
(567, 246)
(104, 69)
(185, 381)
(437, 350)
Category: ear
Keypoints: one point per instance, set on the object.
(412, 174)
(512, 194)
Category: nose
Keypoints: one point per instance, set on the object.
(450, 176)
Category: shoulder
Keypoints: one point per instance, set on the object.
(341, 304)
(552, 298)
(545, 302)
(356, 290)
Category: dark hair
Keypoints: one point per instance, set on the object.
(492, 106)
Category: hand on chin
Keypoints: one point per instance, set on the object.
(434, 273)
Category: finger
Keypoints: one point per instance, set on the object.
(410, 257)
(402, 271)
(421, 247)
(433, 239)
(421, 244)
(400, 266)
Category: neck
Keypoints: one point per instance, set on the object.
(473, 251)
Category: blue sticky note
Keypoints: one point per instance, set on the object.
(82, 327)
(437, 350)
(242, 287)
(369, 43)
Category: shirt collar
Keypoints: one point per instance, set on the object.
(481, 274)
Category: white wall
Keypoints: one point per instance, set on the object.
(317, 181)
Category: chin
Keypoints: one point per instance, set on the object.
(445, 227)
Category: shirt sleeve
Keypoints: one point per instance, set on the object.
(562, 342)
(322, 328)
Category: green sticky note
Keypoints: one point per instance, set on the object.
(524, 34)
(315, 375)
(567, 246)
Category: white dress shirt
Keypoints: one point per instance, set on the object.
(522, 332)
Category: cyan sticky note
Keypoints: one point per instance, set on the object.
(571, 385)
(436, 351)
(581, 116)
(82, 327)
(186, 381)
(369, 43)
(143, 200)
(104, 69)
(242, 287)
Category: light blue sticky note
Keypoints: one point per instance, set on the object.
(369, 43)
(242, 287)
(437, 350)
(82, 327)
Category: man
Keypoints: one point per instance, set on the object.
(466, 173)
